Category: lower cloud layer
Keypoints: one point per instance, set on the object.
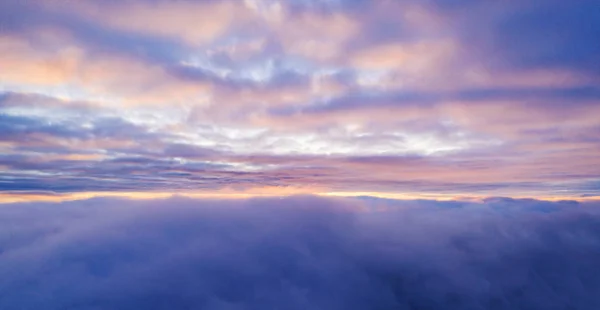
(299, 253)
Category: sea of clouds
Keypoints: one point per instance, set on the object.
(300, 253)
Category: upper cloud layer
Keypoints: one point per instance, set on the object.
(318, 95)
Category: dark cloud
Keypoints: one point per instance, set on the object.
(18, 128)
(542, 97)
(553, 34)
(299, 253)
(24, 129)
(573, 94)
(530, 34)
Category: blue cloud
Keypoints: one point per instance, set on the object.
(533, 34)
(299, 253)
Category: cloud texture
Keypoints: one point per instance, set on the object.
(300, 253)
(429, 97)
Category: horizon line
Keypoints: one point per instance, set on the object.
(37, 196)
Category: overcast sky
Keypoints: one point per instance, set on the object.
(433, 98)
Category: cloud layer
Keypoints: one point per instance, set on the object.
(424, 97)
(299, 253)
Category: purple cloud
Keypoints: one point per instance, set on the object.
(298, 253)
(155, 95)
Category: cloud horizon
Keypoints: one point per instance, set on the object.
(299, 154)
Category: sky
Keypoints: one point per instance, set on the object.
(299, 154)
(405, 99)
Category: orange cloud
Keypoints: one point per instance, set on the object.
(22, 63)
(131, 81)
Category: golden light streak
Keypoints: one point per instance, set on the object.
(265, 193)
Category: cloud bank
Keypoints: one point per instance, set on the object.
(300, 253)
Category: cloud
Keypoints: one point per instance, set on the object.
(149, 94)
(166, 19)
(298, 253)
(528, 34)
(51, 144)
